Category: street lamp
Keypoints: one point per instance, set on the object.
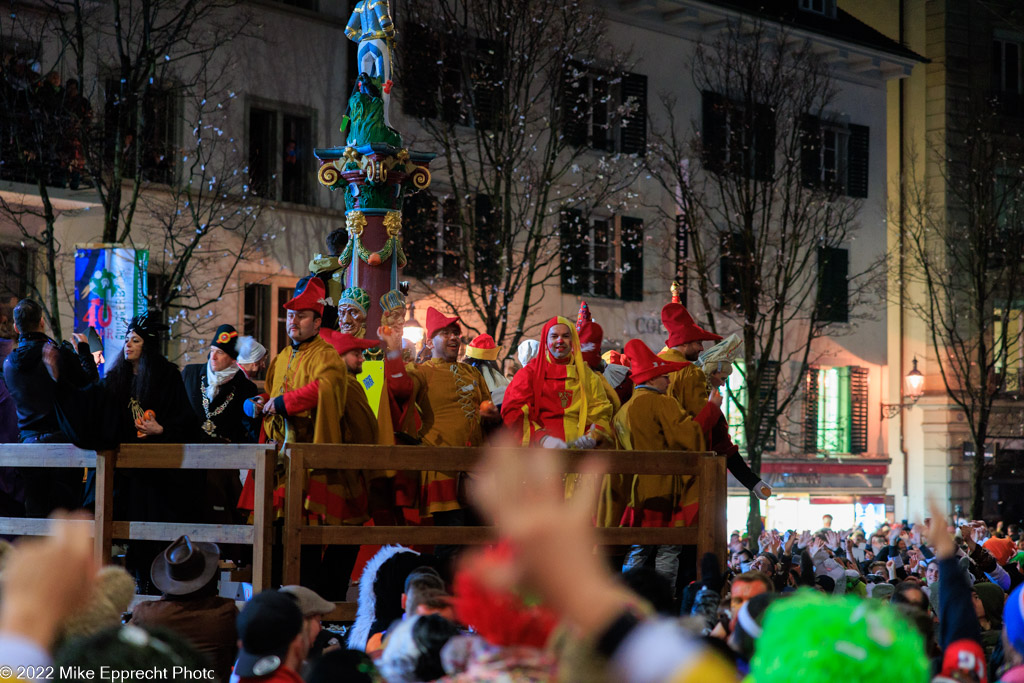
(412, 330)
(913, 388)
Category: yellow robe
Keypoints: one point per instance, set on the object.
(454, 392)
(689, 386)
(336, 496)
(615, 488)
(358, 423)
(650, 421)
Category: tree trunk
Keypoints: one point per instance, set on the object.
(978, 479)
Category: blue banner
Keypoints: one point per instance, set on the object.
(110, 289)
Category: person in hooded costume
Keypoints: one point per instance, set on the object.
(689, 387)
(652, 421)
(556, 401)
(591, 336)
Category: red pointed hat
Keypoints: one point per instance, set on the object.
(343, 343)
(309, 296)
(483, 348)
(437, 320)
(591, 336)
(645, 365)
(681, 328)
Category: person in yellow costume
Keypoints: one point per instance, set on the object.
(306, 393)
(458, 400)
(652, 421)
(689, 387)
(358, 423)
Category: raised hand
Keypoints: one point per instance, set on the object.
(832, 540)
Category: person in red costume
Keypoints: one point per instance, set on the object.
(556, 401)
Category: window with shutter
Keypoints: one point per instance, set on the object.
(811, 411)
(631, 232)
(857, 166)
(417, 71)
(736, 138)
(833, 285)
(858, 410)
(419, 235)
(589, 99)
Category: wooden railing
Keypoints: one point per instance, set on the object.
(708, 536)
(104, 528)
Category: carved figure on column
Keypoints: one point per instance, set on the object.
(372, 28)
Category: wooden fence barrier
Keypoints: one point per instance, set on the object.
(156, 456)
(709, 535)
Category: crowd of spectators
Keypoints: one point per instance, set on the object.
(43, 124)
(919, 602)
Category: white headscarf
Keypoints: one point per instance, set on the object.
(250, 350)
(528, 350)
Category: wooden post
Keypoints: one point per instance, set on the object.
(103, 527)
(262, 520)
(711, 523)
(292, 534)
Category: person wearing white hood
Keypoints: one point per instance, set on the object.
(252, 356)
(527, 351)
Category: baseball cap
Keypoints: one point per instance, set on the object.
(964, 656)
(267, 626)
(310, 602)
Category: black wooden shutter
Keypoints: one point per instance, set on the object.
(811, 411)
(488, 93)
(574, 252)
(833, 285)
(810, 151)
(713, 131)
(451, 266)
(575, 108)
(485, 247)
(632, 250)
(768, 399)
(418, 72)
(764, 143)
(857, 166)
(633, 130)
(858, 410)
(419, 234)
